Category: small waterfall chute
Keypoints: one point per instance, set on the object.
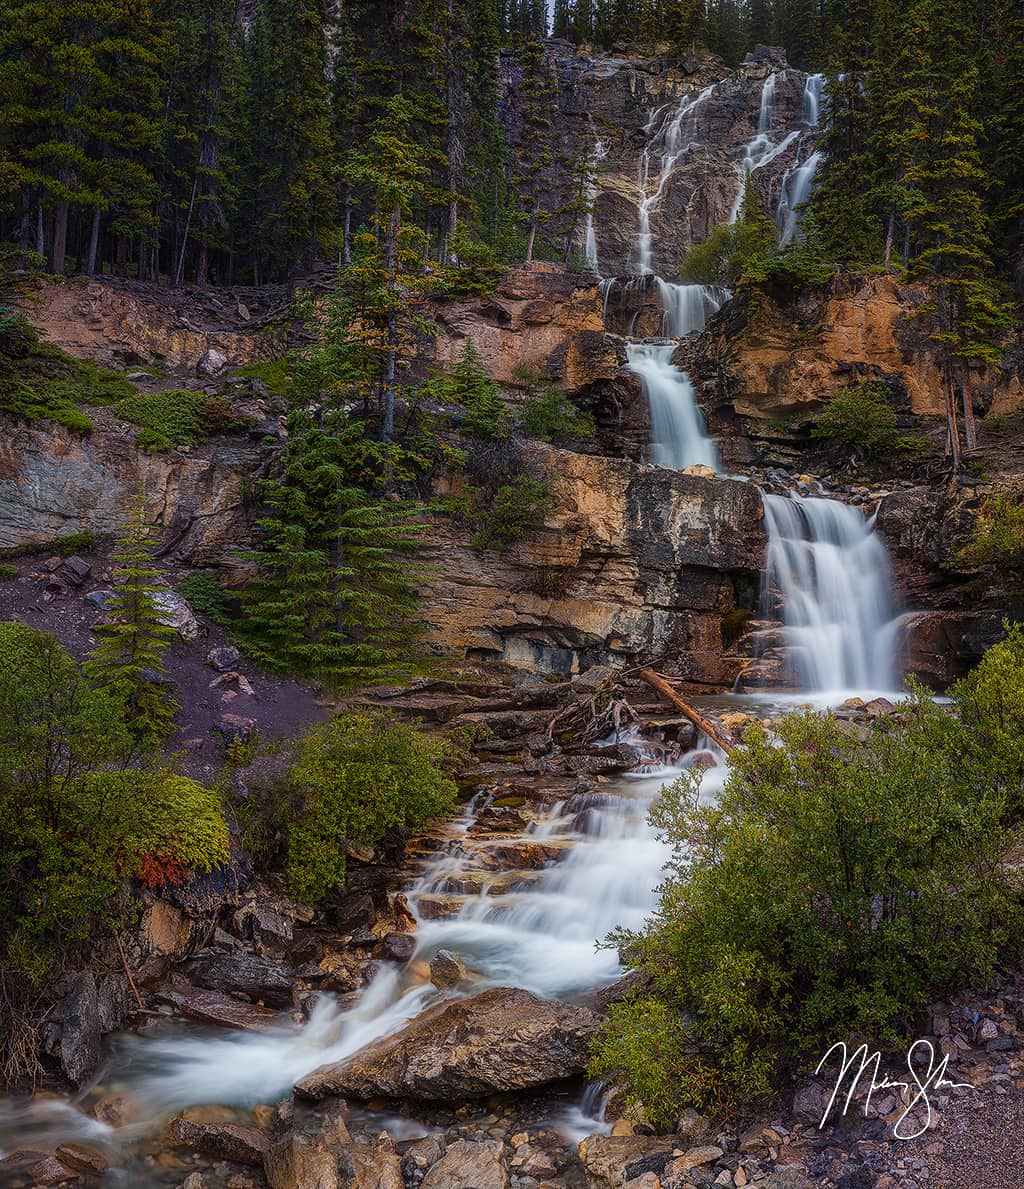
(679, 436)
(832, 572)
(688, 307)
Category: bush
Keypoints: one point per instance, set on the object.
(517, 507)
(355, 779)
(177, 417)
(832, 892)
(548, 414)
(861, 418)
(8, 572)
(468, 386)
(997, 537)
(204, 594)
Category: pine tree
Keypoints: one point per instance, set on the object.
(332, 597)
(129, 659)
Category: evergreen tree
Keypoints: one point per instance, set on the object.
(129, 659)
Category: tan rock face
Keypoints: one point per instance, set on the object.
(632, 560)
(788, 359)
(541, 318)
(109, 322)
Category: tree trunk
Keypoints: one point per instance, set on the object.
(202, 264)
(94, 242)
(890, 232)
(58, 247)
(387, 431)
(346, 238)
(25, 228)
(121, 255)
(40, 235)
(953, 431)
(698, 719)
(531, 237)
(970, 433)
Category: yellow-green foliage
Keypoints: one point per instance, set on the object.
(354, 779)
(176, 417)
(997, 538)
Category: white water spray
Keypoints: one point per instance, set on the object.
(812, 99)
(832, 572)
(688, 307)
(796, 189)
(679, 437)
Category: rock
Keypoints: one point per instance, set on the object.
(223, 658)
(50, 1171)
(260, 979)
(419, 1158)
(102, 598)
(355, 912)
(879, 708)
(235, 1142)
(212, 1007)
(174, 612)
(704, 472)
(692, 1126)
(112, 1002)
(80, 1034)
(468, 1163)
(83, 1158)
(447, 970)
(212, 363)
(372, 1166)
(695, 1157)
(503, 1039)
(296, 1162)
(234, 728)
(195, 1180)
(611, 1160)
(807, 1104)
(790, 1176)
(207, 893)
(266, 923)
(74, 570)
(396, 947)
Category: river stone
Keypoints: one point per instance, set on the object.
(80, 1035)
(610, 1160)
(260, 979)
(374, 1166)
(447, 969)
(212, 1007)
(469, 1163)
(500, 1040)
(237, 1143)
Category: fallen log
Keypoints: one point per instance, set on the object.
(698, 719)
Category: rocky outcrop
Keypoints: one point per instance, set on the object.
(55, 482)
(631, 561)
(500, 1040)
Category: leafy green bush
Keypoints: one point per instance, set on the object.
(503, 497)
(8, 572)
(517, 507)
(177, 417)
(75, 821)
(834, 889)
(355, 778)
(861, 418)
(730, 250)
(548, 414)
(84, 542)
(997, 537)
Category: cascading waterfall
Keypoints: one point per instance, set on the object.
(832, 572)
(688, 307)
(589, 229)
(813, 88)
(796, 189)
(679, 437)
(761, 149)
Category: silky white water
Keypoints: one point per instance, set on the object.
(796, 189)
(688, 307)
(832, 572)
(679, 436)
(813, 88)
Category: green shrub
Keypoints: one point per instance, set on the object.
(204, 594)
(356, 778)
(177, 417)
(997, 536)
(831, 893)
(8, 572)
(276, 374)
(862, 418)
(468, 386)
(548, 414)
(84, 542)
(518, 506)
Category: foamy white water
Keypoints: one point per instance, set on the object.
(833, 574)
(679, 436)
(688, 307)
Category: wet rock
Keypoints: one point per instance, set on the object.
(396, 947)
(212, 1007)
(300, 1162)
(260, 979)
(50, 1171)
(234, 728)
(419, 1158)
(465, 1163)
(372, 1166)
(447, 970)
(265, 922)
(355, 912)
(80, 1034)
(223, 658)
(208, 892)
(808, 1104)
(503, 1039)
(112, 1002)
(83, 1158)
(235, 1142)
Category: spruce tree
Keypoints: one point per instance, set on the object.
(129, 658)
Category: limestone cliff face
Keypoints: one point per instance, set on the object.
(785, 355)
(54, 481)
(633, 561)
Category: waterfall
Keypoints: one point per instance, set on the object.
(589, 231)
(766, 110)
(674, 138)
(679, 437)
(761, 149)
(688, 307)
(832, 572)
(812, 99)
(796, 189)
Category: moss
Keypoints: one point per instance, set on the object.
(8, 572)
(734, 624)
(84, 542)
(176, 417)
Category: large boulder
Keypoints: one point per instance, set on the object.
(80, 1035)
(260, 979)
(467, 1162)
(500, 1040)
(235, 1142)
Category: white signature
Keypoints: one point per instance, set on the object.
(931, 1077)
